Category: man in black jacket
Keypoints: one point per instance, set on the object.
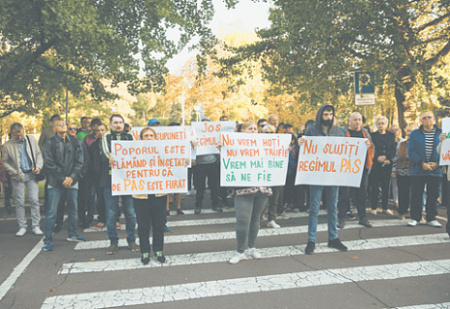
(63, 159)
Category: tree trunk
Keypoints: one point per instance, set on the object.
(406, 98)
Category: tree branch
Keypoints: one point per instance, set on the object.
(28, 61)
(433, 22)
(442, 53)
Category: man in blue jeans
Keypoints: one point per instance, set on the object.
(323, 127)
(63, 159)
(117, 133)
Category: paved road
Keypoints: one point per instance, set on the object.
(388, 266)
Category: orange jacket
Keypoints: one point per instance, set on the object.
(370, 151)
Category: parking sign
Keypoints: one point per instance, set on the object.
(364, 88)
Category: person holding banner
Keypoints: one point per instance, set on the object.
(425, 169)
(249, 203)
(207, 166)
(356, 130)
(112, 202)
(150, 214)
(323, 127)
(442, 137)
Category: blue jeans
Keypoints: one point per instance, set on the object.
(54, 194)
(112, 207)
(330, 200)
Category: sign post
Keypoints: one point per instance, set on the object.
(364, 88)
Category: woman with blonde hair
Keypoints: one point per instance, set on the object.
(380, 175)
(249, 203)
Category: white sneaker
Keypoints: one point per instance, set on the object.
(37, 231)
(434, 223)
(273, 224)
(253, 253)
(22, 231)
(412, 223)
(374, 212)
(389, 212)
(237, 257)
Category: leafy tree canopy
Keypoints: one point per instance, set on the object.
(48, 45)
(312, 47)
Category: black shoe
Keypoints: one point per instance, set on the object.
(365, 222)
(341, 223)
(160, 257)
(145, 258)
(197, 210)
(57, 228)
(350, 216)
(337, 244)
(310, 246)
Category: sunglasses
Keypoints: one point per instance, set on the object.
(427, 117)
(72, 129)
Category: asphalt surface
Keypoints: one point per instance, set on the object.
(387, 266)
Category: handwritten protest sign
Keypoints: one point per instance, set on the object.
(445, 153)
(170, 133)
(331, 161)
(254, 160)
(208, 135)
(446, 126)
(149, 167)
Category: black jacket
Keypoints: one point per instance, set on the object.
(97, 163)
(385, 145)
(63, 158)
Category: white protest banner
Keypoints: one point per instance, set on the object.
(254, 160)
(445, 153)
(208, 135)
(170, 133)
(149, 167)
(331, 161)
(446, 126)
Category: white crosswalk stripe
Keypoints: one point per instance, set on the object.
(198, 290)
(231, 235)
(195, 289)
(223, 256)
(200, 222)
(427, 306)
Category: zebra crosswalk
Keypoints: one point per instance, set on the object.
(389, 256)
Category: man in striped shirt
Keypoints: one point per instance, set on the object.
(425, 169)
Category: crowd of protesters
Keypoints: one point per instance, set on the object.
(76, 165)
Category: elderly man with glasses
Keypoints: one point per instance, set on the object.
(425, 169)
